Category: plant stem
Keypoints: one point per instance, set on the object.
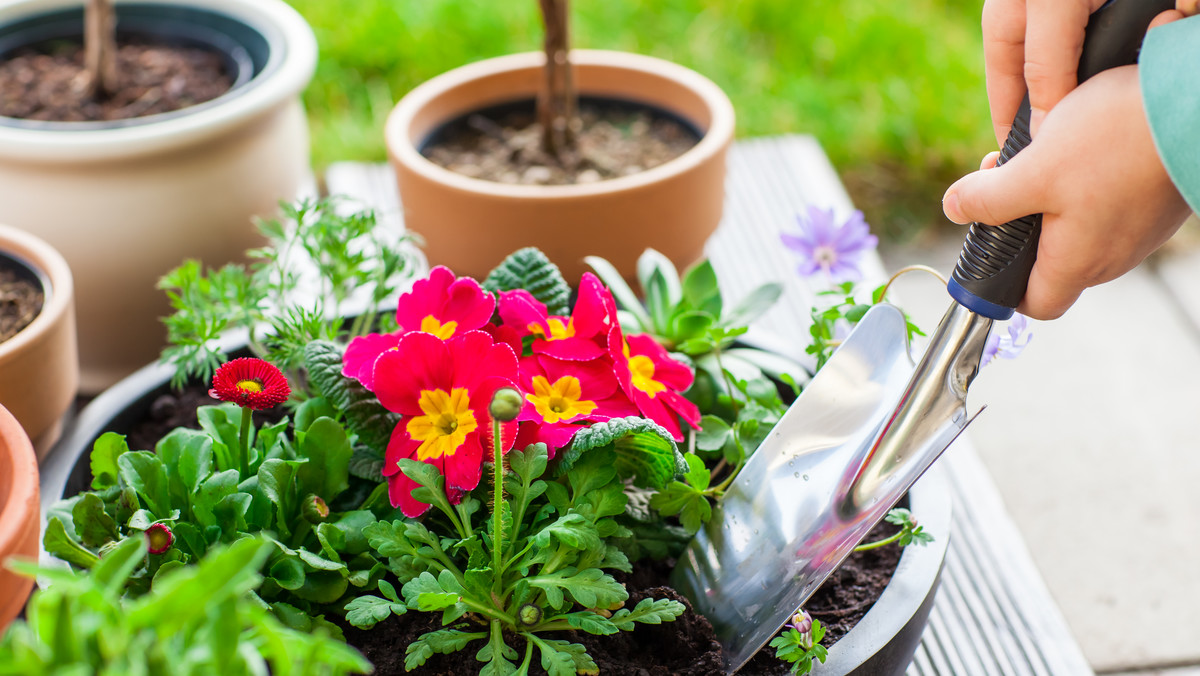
(556, 101)
(524, 669)
(100, 48)
(879, 543)
(244, 446)
(497, 502)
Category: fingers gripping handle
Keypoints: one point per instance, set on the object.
(993, 268)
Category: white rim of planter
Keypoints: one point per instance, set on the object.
(285, 74)
(713, 140)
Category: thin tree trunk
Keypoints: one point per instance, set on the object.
(100, 48)
(557, 101)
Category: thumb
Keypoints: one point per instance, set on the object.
(995, 196)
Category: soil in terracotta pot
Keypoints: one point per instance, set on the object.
(20, 302)
(504, 144)
(47, 83)
(685, 647)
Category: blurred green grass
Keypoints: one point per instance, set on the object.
(894, 91)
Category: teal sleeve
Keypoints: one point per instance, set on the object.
(1169, 69)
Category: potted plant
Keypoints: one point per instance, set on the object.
(39, 361)
(19, 512)
(144, 192)
(380, 498)
(468, 221)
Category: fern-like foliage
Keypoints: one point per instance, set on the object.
(371, 423)
(529, 269)
(645, 450)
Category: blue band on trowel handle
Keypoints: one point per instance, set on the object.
(976, 304)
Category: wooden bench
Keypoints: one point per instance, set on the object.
(993, 615)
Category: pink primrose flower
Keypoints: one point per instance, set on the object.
(579, 337)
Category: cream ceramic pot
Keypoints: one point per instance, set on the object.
(127, 201)
(470, 224)
(39, 366)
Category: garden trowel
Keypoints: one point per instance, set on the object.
(870, 422)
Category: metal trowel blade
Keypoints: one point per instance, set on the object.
(797, 508)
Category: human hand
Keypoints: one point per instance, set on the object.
(1094, 174)
(1034, 46)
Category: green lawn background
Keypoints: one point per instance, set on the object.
(894, 91)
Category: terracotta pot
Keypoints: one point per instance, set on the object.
(39, 367)
(470, 224)
(19, 533)
(126, 201)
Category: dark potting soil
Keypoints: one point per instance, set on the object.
(47, 83)
(611, 142)
(20, 302)
(684, 647)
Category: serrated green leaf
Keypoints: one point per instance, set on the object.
(645, 450)
(570, 529)
(583, 663)
(648, 611)
(104, 456)
(370, 422)
(592, 623)
(366, 463)
(681, 499)
(365, 612)
(529, 269)
(697, 475)
(590, 588)
(714, 433)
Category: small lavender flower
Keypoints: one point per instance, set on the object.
(823, 245)
(1010, 343)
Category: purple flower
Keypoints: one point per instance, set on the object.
(1007, 344)
(823, 245)
(802, 622)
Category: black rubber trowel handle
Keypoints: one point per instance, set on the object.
(993, 268)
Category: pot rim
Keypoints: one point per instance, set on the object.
(21, 504)
(58, 285)
(288, 70)
(714, 140)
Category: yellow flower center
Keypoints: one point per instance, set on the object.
(250, 386)
(642, 368)
(447, 421)
(558, 330)
(560, 401)
(444, 331)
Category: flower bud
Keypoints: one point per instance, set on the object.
(159, 538)
(315, 510)
(506, 404)
(529, 615)
(802, 622)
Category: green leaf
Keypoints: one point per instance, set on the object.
(572, 530)
(753, 305)
(529, 269)
(496, 655)
(112, 571)
(528, 464)
(92, 524)
(148, 476)
(690, 325)
(444, 641)
(287, 572)
(581, 662)
(700, 288)
(645, 450)
(188, 455)
(648, 611)
(365, 612)
(660, 284)
(690, 504)
(366, 463)
(592, 623)
(223, 424)
(697, 475)
(275, 481)
(591, 588)
(311, 410)
(105, 452)
(714, 433)
(328, 451)
(212, 491)
(427, 593)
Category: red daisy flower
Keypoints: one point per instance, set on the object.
(250, 383)
(159, 538)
